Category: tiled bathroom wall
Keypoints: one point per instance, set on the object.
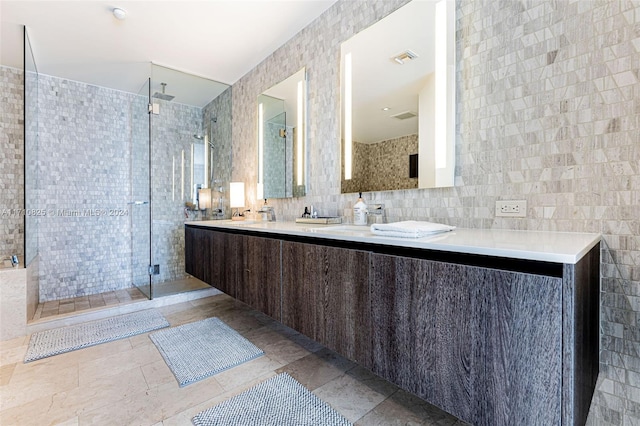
(94, 140)
(11, 163)
(382, 165)
(548, 100)
(172, 133)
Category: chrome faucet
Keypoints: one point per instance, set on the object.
(268, 212)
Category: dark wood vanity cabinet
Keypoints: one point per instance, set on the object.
(325, 295)
(461, 338)
(494, 341)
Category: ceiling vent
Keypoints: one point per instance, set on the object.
(404, 115)
(405, 56)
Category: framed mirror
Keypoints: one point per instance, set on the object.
(398, 100)
(282, 139)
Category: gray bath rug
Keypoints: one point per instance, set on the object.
(201, 349)
(278, 401)
(66, 339)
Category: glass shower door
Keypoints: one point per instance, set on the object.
(140, 202)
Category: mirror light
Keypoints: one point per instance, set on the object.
(260, 187)
(348, 141)
(441, 85)
(300, 133)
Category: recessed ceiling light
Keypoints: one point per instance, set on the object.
(120, 14)
(386, 109)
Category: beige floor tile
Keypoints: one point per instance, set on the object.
(350, 397)
(13, 354)
(158, 374)
(275, 345)
(14, 343)
(317, 369)
(102, 392)
(37, 383)
(6, 371)
(237, 376)
(402, 408)
(117, 363)
(154, 405)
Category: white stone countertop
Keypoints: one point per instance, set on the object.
(546, 246)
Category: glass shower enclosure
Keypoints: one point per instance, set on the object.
(132, 165)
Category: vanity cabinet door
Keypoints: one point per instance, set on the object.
(482, 344)
(197, 252)
(260, 271)
(223, 261)
(325, 295)
(211, 257)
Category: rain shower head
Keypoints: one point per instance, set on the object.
(163, 95)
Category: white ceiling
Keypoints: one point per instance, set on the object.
(220, 40)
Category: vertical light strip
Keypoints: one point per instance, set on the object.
(300, 133)
(173, 178)
(348, 104)
(182, 175)
(191, 188)
(206, 162)
(260, 188)
(440, 125)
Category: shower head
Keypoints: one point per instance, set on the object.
(163, 95)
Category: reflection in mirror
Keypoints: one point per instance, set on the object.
(282, 139)
(398, 100)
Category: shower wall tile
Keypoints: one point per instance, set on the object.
(382, 165)
(547, 112)
(84, 241)
(217, 119)
(11, 162)
(172, 134)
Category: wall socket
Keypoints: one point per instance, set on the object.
(511, 208)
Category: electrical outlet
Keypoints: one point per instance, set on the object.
(511, 208)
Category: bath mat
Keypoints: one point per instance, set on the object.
(281, 400)
(47, 343)
(201, 349)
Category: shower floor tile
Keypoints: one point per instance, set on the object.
(83, 303)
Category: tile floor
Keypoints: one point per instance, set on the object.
(126, 382)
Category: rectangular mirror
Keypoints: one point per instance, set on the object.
(282, 139)
(398, 100)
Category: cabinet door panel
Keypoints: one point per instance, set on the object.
(197, 253)
(223, 261)
(482, 344)
(326, 297)
(259, 283)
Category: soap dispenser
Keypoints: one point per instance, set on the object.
(360, 211)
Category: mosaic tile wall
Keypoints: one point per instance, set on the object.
(382, 165)
(172, 132)
(217, 124)
(278, 160)
(95, 142)
(84, 239)
(11, 163)
(548, 101)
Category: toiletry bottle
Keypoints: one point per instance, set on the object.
(360, 212)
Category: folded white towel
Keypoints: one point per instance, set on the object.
(409, 229)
